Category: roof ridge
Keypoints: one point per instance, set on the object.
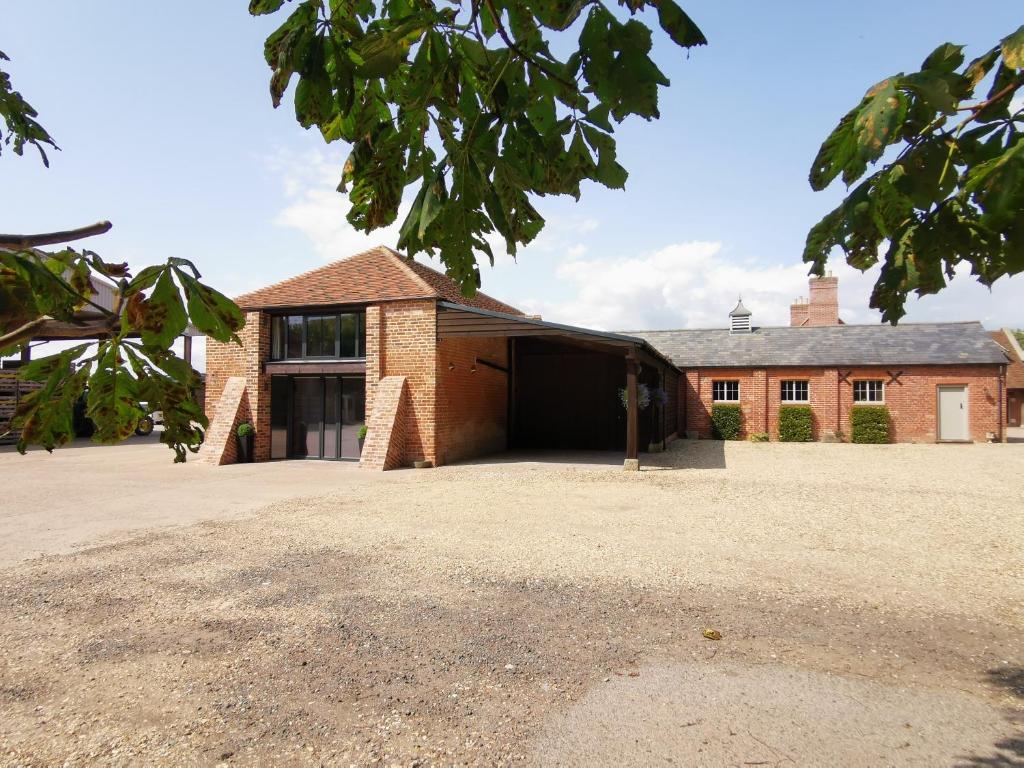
(813, 327)
(309, 272)
(404, 262)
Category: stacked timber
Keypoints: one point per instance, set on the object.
(11, 391)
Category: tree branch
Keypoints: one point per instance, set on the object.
(21, 242)
(503, 33)
(49, 327)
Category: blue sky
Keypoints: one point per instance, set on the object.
(164, 119)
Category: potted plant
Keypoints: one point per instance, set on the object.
(362, 437)
(244, 438)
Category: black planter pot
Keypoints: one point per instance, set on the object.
(244, 448)
(361, 441)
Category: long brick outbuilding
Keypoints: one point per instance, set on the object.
(380, 341)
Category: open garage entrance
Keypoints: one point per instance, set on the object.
(570, 388)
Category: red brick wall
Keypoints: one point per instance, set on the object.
(672, 414)
(912, 400)
(472, 407)
(224, 359)
(823, 308)
(401, 340)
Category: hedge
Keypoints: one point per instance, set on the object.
(726, 421)
(869, 424)
(795, 422)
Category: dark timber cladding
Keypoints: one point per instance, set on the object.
(459, 321)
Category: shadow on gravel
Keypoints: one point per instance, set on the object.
(1008, 752)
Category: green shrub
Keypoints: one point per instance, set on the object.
(869, 424)
(759, 437)
(726, 421)
(362, 432)
(245, 429)
(795, 423)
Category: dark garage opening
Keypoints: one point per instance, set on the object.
(564, 383)
(566, 397)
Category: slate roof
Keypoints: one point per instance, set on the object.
(1015, 365)
(379, 274)
(909, 344)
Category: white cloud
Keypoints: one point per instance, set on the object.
(696, 284)
(682, 285)
(316, 209)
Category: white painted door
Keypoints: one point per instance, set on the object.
(953, 413)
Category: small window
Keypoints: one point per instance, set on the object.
(725, 391)
(869, 391)
(795, 391)
(349, 336)
(320, 336)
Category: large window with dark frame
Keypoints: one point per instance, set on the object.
(725, 391)
(318, 337)
(869, 391)
(794, 391)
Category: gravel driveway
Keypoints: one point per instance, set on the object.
(870, 601)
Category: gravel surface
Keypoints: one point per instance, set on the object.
(519, 612)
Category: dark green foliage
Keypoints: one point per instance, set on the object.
(869, 424)
(19, 120)
(123, 379)
(245, 429)
(795, 423)
(726, 422)
(469, 104)
(954, 192)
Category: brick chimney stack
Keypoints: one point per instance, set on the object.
(798, 312)
(822, 307)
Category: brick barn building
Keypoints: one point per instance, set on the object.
(939, 381)
(1014, 376)
(382, 341)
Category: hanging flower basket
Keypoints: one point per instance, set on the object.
(643, 396)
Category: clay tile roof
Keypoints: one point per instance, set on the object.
(1014, 366)
(379, 274)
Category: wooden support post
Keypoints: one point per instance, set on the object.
(26, 353)
(188, 349)
(632, 461)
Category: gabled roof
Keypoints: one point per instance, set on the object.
(379, 274)
(1015, 358)
(832, 345)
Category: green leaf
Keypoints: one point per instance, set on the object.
(113, 402)
(162, 317)
(946, 58)
(258, 7)
(836, 153)
(210, 311)
(876, 122)
(933, 89)
(46, 416)
(433, 199)
(1013, 49)
(678, 25)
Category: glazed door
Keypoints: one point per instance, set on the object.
(307, 418)
(316, 417)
